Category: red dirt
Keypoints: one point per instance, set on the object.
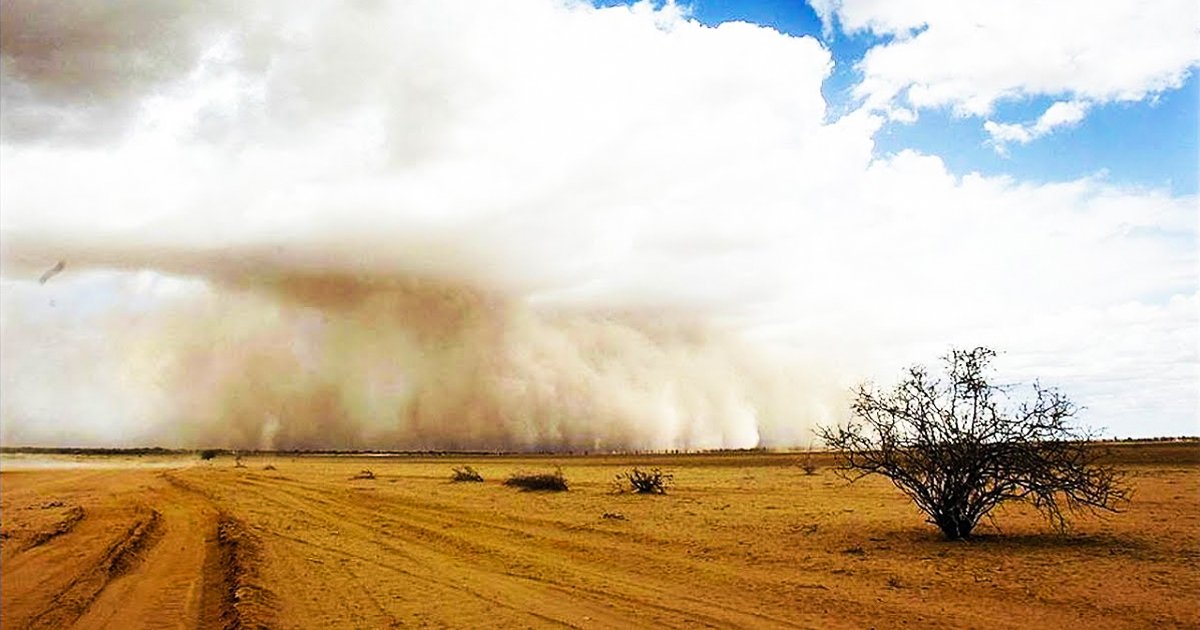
(741, 540)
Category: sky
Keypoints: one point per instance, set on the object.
(698, 223)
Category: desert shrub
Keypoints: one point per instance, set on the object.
(553, 482)
(653, 481)
(465, 473)
(269, 467)
(364, 474)
(209, 453)
(959, 446)
(809, 464)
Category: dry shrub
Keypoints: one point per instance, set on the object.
(960, 445)
(653, 481)
(465, 473)
(809, 465)
(364, 474)
(552, 482)
(269, 467)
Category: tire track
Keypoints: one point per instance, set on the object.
(425, 526)
(234, 595)
(118, 558)
(64, 525)
(426, 523)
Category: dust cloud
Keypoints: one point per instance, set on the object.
(295, 357)
(369, 225)
(336, 362)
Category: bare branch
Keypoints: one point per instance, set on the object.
(960, 446)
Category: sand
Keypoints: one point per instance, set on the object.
(742, 540)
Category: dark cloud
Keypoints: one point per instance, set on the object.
(78, 70)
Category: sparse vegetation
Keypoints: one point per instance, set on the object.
(209, 453)
(806, 538)
(364, 474)
(638, 481)
(269, 467)
(465, 474)
(809, 464)
(959, 448)
(552, 482)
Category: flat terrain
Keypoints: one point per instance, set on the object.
(743, 540)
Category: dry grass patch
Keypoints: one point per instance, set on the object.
(549, 482)
(638, 481)
(465, 474)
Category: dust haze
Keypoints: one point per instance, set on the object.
(368, 226)
(293, 356)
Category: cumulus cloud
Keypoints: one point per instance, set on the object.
(654, 235)
(1060, 114)
(970, 55)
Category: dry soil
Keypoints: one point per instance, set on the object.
(742, 540)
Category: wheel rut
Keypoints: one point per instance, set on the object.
(121, 556)
(235, 596)
(69, 520)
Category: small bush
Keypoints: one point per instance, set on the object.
(809, 465)
(364, 474)
(465, 473)
(653, 481)
(269, 467)
(209, 453)
(553, 482)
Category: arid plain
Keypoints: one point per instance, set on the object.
(742, 540)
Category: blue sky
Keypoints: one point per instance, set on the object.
(1151, 142)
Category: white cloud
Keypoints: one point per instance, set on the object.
(970, 55)
(604, 159)
(1060, 114)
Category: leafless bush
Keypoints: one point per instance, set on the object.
(554, 482)
(958, 447)
(653, 481)
(364, 474)
(465, 473)
(809, 464)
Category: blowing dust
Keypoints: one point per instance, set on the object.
(404, 225)
(291, 360)
(337, 362)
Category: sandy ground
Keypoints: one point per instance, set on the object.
(745, 540)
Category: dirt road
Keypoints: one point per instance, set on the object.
(742, 541)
